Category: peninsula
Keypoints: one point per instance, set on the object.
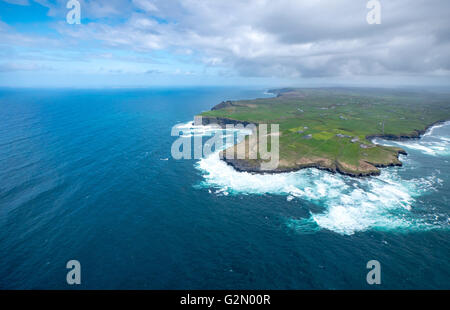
(333, 128)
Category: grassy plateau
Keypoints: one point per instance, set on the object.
(332, 128)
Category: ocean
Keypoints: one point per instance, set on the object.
(88, 175)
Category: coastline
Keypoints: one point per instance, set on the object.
(416, 135)
(335, 167)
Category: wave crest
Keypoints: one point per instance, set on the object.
(385, 202)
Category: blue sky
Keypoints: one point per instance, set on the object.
(143, 43)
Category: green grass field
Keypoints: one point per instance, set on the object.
(318, 125)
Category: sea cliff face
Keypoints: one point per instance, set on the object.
(365, 168)
(416, 134)
(220, 121)
(254, 166)
(314, 118)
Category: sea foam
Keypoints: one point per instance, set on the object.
(432, 142)
(384, 202)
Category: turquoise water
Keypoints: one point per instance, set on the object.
(88, 175)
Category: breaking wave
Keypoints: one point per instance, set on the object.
(432, 142)
(385, 202)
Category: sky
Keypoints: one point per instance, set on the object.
(145, 43)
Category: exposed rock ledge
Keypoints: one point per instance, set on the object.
(364, 169)
(222, 122)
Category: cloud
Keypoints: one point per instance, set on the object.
(263, 38)
(292, 38)
(11, 67)
(92, 9)
(145, 5)
(152, 71)
(18, 2)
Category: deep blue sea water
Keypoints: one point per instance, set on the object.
(84, 175)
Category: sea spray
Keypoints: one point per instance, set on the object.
(385, 202)
(432, 143)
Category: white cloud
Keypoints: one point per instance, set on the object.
(145, 5)
(18, 2)
(24, 66)
(284, 38)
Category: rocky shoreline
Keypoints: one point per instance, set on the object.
(254, 166)
(417, 134)
(222, 122)
(244, 166)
